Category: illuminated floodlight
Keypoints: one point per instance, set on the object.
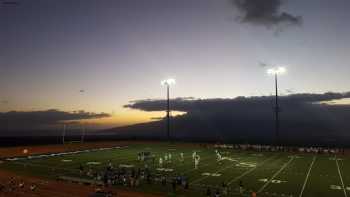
(278, 70)
(168, 82)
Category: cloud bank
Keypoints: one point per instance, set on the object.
(36, 119)
(264, 12)
(302, 117)
(191, 104)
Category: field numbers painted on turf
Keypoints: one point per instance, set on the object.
(250, 170)
(246, 165)
(295, 157)
(228, 159)
(126, 166)
(276, 174)
(278, 181)
(335, 187)
(272, 181)
(165, 169)
(333, 159)
(93, 163)
(211, 174)
(338, 187)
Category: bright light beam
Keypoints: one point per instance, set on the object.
(168, 82)
(278, 70)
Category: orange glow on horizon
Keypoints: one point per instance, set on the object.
(129, 117)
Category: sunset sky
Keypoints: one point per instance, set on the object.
(98, 55)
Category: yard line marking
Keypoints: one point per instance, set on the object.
(341, 178)
(307, 176)
(227, 167)
(205, 177)
(250, 170)
(279, 171)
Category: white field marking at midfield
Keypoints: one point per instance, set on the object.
(341, 178)
(250, 170)
(207, 164)
(279, 171)
(307, 176)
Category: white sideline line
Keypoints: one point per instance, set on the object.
(279, 171)
(341, 178)
(307, 177)
(250, 170)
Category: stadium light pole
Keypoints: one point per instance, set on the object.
(82, 125)
(83, 132)
(168, 83)
(63, 134)
(276, 71)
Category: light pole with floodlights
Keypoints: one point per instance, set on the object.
(276, 71)
(168, 83)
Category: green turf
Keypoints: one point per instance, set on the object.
(268, 173)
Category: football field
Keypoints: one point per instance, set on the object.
(279, 174)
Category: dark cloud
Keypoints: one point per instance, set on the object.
(264, 12)
(263, 65)
(8, 4)
(302, 117)
(191, 104)
(36, 119)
